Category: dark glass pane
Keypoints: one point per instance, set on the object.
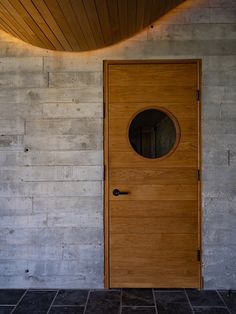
(152, 133)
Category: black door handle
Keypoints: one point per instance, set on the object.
(116, 192)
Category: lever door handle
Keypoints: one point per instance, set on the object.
(117, 192)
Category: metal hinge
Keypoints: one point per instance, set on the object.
(199, 255)
(198, 94)
(199, 175)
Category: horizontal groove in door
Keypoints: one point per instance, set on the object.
(148, 93)
(155, 175)
(159, 75)
(153, 225)
(162, 208)
(155, 242)
(178, 159)
(185, 109)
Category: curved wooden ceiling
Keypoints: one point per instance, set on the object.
(79, 25)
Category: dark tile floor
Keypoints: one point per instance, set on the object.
(117, 301)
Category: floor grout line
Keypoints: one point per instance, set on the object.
(86, 303)
(154, 299)
(146, 306)
(209, 306)
(19, 300)
(222, 299)
(192, 309)
(67, 305)
(106, 290)
(121, 295)
(43, 289)
(167, 290)
(53, 301)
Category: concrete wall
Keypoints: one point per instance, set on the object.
(51, 166)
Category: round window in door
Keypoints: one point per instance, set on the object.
(153, 133)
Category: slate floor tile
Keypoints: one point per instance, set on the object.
(210, 310)
(139, 301)
(101, 302)
(137, 297)
(6, 309)
(230, 300)
(71, 297)
(10, 297)
(174, 302)
(35, 302)
(66, 309)
(138, 310)
(174, 308)
(168, 289)
(204, 298)
(171, 297)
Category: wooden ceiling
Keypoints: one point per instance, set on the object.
(79, 25)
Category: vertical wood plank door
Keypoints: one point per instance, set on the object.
(152, 233)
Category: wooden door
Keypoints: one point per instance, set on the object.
(152, 234)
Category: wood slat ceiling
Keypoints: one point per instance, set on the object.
(79, 25)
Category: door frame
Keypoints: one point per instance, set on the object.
(106, 64)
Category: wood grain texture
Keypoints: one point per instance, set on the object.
(162, 208)
(154, 230)
(79, 25)
(156, 242)
(153, 175)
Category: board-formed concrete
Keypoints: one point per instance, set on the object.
(51, 149)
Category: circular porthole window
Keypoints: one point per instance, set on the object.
(152, 133)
